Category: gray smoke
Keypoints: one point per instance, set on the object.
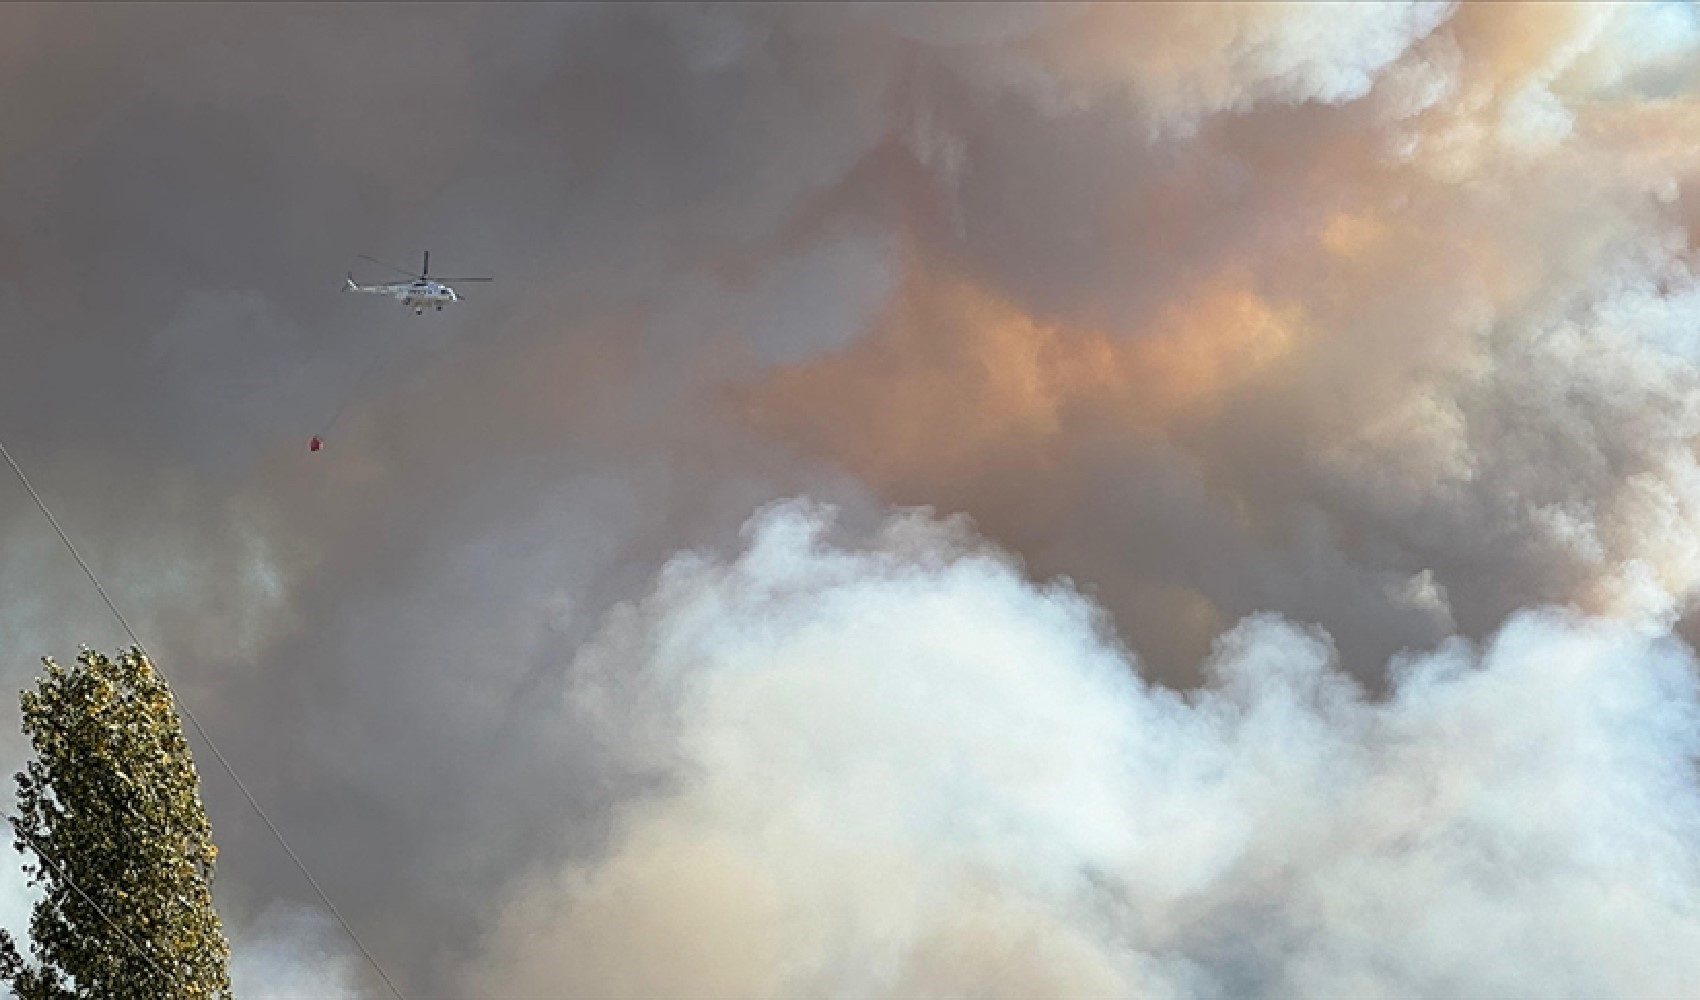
(1269, 330)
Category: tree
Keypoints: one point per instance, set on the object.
(110, 818)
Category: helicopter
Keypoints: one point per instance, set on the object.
(421, 293)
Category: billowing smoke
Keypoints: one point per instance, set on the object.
(903, 769)
(1306, 393)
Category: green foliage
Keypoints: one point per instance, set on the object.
(112, 801)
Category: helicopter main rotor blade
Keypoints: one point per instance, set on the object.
(450, 281)
(398, 270)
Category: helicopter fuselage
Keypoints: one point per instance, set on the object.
(416, 295)
(422, 295)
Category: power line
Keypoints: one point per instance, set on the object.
(200, 729)
(64, 876)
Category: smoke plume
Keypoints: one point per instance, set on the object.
(1223, 484)
(903, 769)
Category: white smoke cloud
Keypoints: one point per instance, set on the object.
(901, 769)
(291, 952)
(1181, 63)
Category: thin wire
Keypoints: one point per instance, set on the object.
(18, 827)
(359, 383)
(190, 715)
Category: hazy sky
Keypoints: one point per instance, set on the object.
(1170, 500)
